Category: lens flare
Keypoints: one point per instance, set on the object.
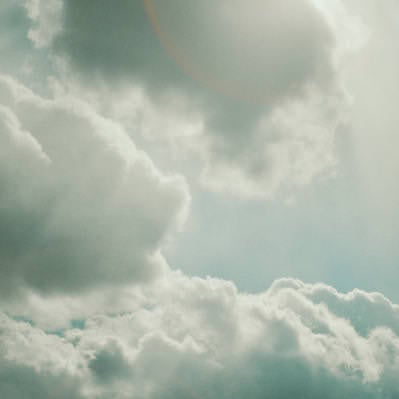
(218, 43)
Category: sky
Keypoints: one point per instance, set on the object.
(199, 199)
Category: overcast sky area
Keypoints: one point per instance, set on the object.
(199, 199)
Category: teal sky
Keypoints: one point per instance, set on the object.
(327, 234)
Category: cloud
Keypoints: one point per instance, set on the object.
(36, 365)
(46, 14)
(203, 338)
(81, 206)
(246, 79)
(84, 214)
(366, 311)
(291, 147)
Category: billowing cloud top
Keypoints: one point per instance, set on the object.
(201, 338)
(81, 206)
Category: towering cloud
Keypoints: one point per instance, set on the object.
(80, 205)
(202, 338)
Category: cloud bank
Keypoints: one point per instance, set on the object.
(202, 338)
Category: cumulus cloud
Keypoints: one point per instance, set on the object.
(81, 206)
(203, 338)
(36, 365)
(84, 214)
(241, 66)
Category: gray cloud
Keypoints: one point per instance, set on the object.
(202, 338)
(109, 363)
(80, 205)
(290, 39)
(241, 66)
(17, 382)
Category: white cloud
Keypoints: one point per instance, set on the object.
(81, 206)
(203, 338)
